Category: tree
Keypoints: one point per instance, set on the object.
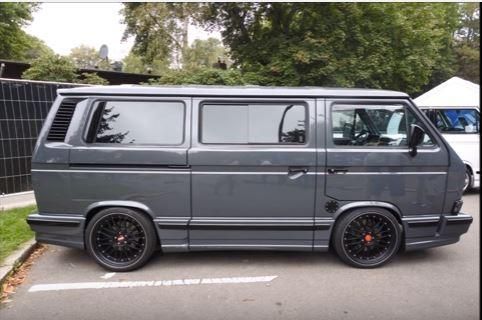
(84, 56)
(469, 29)
(13, 40)
(35, 48)
(133, 63)
(160, 30)
(467, 42)
(396, 46)
(204, 53)
(51, 68)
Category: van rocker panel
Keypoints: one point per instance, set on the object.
(421, 232)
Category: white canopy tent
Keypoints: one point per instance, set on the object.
(455, 92)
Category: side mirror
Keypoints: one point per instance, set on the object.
(416, 137)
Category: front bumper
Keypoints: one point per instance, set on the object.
(423, 232)
(476, 182)
(58, 229)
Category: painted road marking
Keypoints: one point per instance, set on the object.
(135, 284)
(108, 275)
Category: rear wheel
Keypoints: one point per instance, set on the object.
(367, 238)
(120, 239)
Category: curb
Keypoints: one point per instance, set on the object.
(15, 259)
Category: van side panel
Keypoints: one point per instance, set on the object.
(50, 183)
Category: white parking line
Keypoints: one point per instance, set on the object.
(159, 283)
(108, 275)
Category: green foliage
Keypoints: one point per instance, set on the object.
(378, 45)
(467, 44)
(400, 46)
(84, 56)
(133, 63)
(468, 63)
(204, 53)
(159, 30)
(469, 28)
(14, 230)
(51, 68)
(35, 49)
(92, 78)
(201, 54)
(203, 76)
(13, 40)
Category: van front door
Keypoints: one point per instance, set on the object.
(253, 174)
(368, 158)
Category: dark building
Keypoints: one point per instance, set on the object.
(14, 69)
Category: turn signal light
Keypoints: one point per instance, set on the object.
(457, 206)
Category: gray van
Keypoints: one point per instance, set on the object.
(124, 170)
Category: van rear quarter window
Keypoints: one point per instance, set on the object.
(254, 124)
(138, 122)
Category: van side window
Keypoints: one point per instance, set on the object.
(455, 120)
(138, 122)
(254, 124)
(373, 125)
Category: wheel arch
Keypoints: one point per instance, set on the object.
(94, 208)
(468, 165)
(368, 204)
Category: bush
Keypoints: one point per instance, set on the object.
(92, 78)
(204, 76)
(51, 68)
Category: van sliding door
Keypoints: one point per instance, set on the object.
(253, 173)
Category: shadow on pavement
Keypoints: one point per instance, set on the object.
(221, 259)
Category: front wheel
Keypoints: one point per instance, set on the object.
(120, 239)
(367, 238)
(467, 180)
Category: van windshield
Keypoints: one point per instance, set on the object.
(455, 120)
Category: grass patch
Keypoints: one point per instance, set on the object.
(14, 230)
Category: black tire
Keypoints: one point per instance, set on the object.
(367, 237)
(120, 239)
(467, 180)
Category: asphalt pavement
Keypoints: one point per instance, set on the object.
(439, 283)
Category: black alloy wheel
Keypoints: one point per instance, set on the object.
(367, 238)
(120, 239)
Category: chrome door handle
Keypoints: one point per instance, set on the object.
(296, 172)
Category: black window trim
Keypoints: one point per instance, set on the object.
(241, 102)
(97, 102)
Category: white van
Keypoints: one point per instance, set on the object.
(460, 126)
